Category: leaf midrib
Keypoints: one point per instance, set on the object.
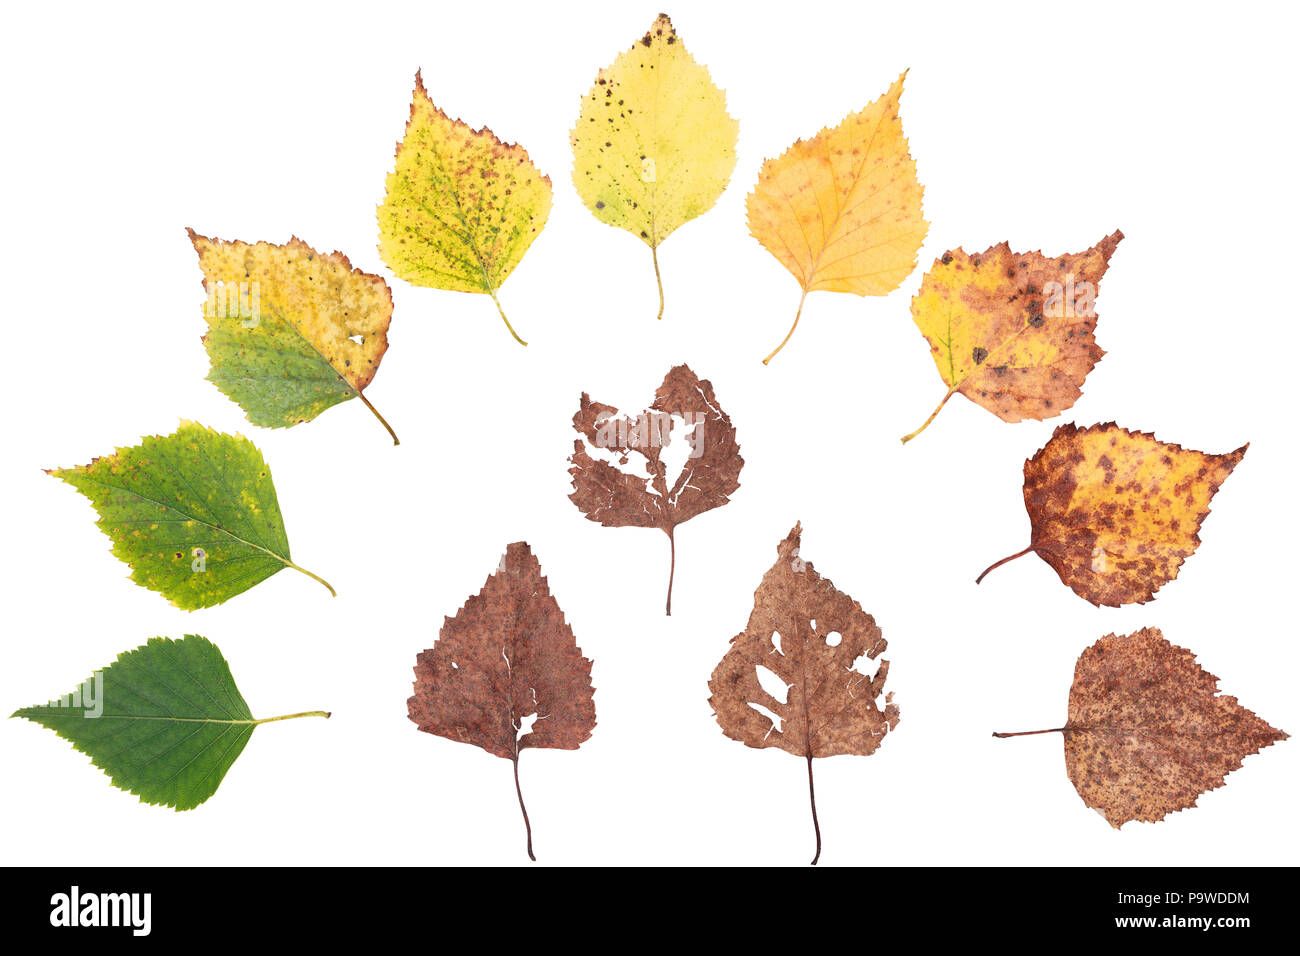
(283, 559)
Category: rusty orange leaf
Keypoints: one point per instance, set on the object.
(1115, 512)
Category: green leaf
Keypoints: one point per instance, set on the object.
(193, 513)
(164, 721)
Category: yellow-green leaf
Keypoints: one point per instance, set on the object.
(461, 207)
(654, 146)
(291, 332)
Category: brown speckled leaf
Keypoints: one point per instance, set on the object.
(643, 497)
(810, 636)
(1115, 512)
(1147, 731)
(1013, 331)
(507, 655)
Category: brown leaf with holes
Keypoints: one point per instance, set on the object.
(1013, 331)
(809, 636)
(1115, 512)
(508, 654)
(1147, 731)
(645, 498)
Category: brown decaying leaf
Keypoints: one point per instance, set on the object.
(830, 708)
(1115, 512)
(1147, 732)
(617, 499)
(506, 655)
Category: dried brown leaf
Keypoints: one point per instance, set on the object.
(1147, 731)
(508, 654)
(810, 636)
(616, 498)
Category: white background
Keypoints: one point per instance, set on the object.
(257, 121)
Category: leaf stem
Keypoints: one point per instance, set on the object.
(654, 254)
(798, 312)
(926, 424)
(383, 421)
(504, 319)
(314, 577)
(1030, 733)
(998, 564)
(528, 827)
(812, 799)
(305, 713)
(672, 570)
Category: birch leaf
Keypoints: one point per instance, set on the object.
(1147, 731)
(461, 207)
(808, 637)
(842, 211)
(506, 656)
(164, 721)
(1116, 512)
(1013, 332)
(291, 332)
(654, 146)
(649, 497)
(193, 513)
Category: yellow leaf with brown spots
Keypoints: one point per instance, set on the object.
(842, 210)
(1147, 731)
(461, 207)
(291, 332)
(1011, 331)
(1116, 512)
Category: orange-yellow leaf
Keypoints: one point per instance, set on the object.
(842, 211)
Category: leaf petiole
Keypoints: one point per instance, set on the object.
(304, 713)
(314, 577)
(528, 827)
(812, 798)
(654, 254)
(504, 319)
(998, 564)
(381, 418)
(798, 312)
(933, 415)
(672, 571)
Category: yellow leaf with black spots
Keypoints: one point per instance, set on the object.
(461, 207)
(654, 146)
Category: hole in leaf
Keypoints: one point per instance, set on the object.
(833, 639)
(776, 721)
(768, 680)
